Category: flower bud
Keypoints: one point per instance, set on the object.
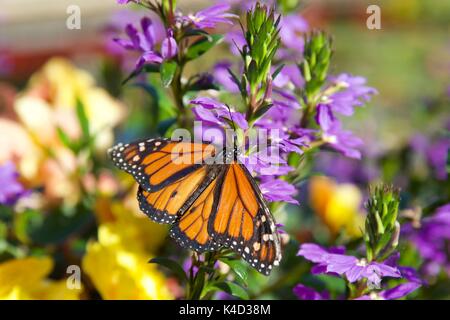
(382, 229)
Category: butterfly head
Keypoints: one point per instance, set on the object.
(232, 154)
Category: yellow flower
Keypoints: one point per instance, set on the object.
(135, 227)
(338, 205)
(49, 103)
(25, 279)
(51, 98)
(120, 270)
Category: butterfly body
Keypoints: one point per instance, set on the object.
(209, 198)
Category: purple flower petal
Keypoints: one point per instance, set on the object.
(324, 117)
(278, 190)
(305, 293)
(10, 188)
(313, 252)
(400, 291)
(210, 17)
(169, 47)
(353, 93)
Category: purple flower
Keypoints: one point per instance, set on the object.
(435, 152)
(125, 1)
(407, 273)
(266, 162)
(236, 41)
(263, 156)
(277, 190)
(343, 141)
(210, 17)
(306, 293)
(223, 77)
(345, 169)
(397, 292)
(290, 76)
(145, 43)
(354, 269)
(292, 29)
(169, 46)
(10, 188)
(351, 92)
(432, 240)
(216, 113)
(187, 265)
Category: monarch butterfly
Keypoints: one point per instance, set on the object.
(209, 203)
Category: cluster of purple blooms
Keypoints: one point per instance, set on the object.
(282, 122)
(335, 262)
(434, 151)
(432, 239)
(154, 48)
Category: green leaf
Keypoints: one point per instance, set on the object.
(172, 266)
(201, 46)
(261, 111)
(239, 268)
(25, 222)
(199, 284)
(277, 71)
(168, 69)
(64, 138)
(197, 32)
(148, 68)
(3, 230)
(165, 125)
(154, 105)
(232, 289)
(83, 119)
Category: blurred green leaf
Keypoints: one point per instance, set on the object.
(149, 68)
(155, 104)
(261, 111)
(201, 46)
(172, 266)
(25, 222)
(165, 125)
(197, 32)
(199, 284)
(168, 69)
(3, 230)
(277, 71)
(54, 228)
(229, 287)
(83, 119)
(65, 139)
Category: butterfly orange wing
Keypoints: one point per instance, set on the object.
(242, 221)
(157, 163)
(191, 230)
(169, 173)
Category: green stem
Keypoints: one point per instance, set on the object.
(178, 93)
(204, 274)
(309, 110)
